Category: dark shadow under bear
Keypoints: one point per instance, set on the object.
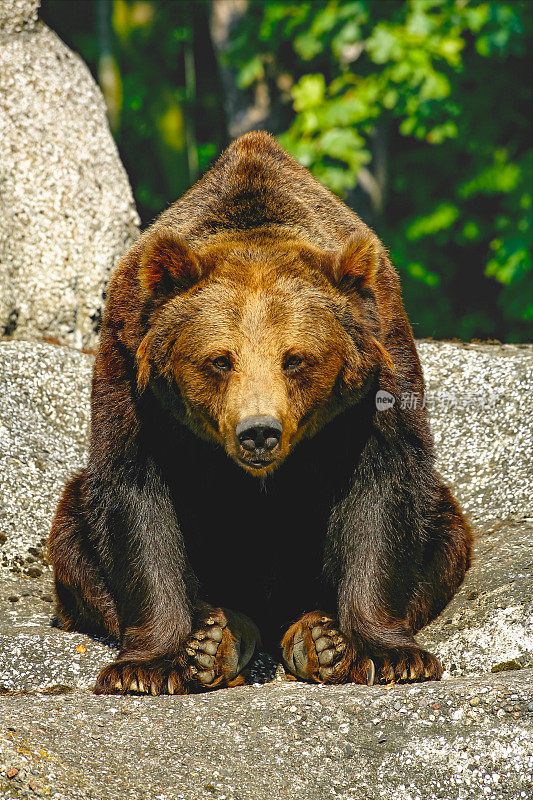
(238, 459)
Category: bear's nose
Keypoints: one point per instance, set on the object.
(258, 434)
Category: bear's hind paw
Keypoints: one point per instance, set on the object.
(314, 649)
(213, 656)
(220, 647)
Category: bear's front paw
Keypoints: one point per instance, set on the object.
(313, 649)
(152, 676)
(406, 664)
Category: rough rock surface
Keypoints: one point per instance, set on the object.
(488, 626)
(66, 209)
(483, 450)
(454, 740)
(15, 15)
(44, 421)
(478, 397)
(465, 738)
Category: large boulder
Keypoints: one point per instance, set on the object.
(466, 737)
(478, 396)
(455, 740)
(461, 738)
(475, 394)
(18, 15)
(488, 626)
(66, 208)
(44, 423)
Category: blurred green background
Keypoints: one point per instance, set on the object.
(416, 112)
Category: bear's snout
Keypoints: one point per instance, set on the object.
(258, 436)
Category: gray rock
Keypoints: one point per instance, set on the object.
(457, 739)
(452, 740)
(34, 656)
(15, 15)
(44, 420)
(44, 416)
(488, 626)
(479, 397)
(66, 209)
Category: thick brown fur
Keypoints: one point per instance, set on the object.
(258, 294)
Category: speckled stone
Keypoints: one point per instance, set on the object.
(454, 740)
(488, 626)
(479, 398)
(44, 418)
(44, 421)
(15, 15)
(66, 209)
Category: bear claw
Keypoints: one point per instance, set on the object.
(370, 673)
(314, 650)
(214, 655)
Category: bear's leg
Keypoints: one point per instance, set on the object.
(214, 656)
(394, 581)
(445, 561)
(83, 602)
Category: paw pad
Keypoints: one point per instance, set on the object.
(202, 648)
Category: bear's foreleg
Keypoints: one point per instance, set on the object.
(134, 530)
(168, 644)
(398, 549)
(84, 603)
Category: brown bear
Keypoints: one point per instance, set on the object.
(239, 455)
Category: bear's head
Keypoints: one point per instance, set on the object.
(254, 341)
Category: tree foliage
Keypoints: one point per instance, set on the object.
(416, 112)
(157, 69)
(424, 105)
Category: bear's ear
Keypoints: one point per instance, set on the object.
(168, 264)
(383, 355)
(142, 358)
(356, 265)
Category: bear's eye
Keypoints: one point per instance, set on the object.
(221, 363)
(292, 362)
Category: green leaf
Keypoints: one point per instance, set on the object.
(309, 92)
(308, 46)
(252, 71)
(420, 273)
(343, 144)
(510, 261)
(441, 218)
(492, 180)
